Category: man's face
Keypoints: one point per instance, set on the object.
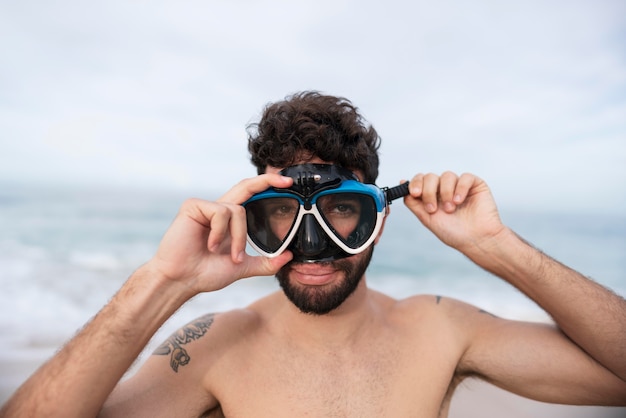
(320, 287)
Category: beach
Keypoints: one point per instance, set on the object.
(477, 399)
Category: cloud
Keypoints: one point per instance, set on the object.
(530, 95)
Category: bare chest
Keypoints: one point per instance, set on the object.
(374, 381)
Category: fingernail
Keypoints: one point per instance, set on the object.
(457, 198)
(430, 207)
(240, 256)
(449, 206)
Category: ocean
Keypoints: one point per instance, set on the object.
(65, 251)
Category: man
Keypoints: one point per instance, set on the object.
(327, 345)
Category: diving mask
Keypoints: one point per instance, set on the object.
(327, 214)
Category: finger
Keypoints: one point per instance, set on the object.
(248, 187)
(228, 227)
(219, 226)
(447, 187)
(199, 211)
(463, 186)
(238, 232)
(263, 266)
(416, 185)
(430, 192)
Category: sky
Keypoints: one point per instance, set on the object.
(530, 96)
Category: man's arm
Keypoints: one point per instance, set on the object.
(203, 250)
(462, 213)
(589, 314)
(534, 360)
(79, 378)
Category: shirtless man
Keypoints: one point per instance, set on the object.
(327, 346)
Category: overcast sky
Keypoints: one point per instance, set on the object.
(529, 95)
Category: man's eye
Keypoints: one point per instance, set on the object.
(344, 208)
(282, 210)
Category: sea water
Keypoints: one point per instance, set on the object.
(65, 251)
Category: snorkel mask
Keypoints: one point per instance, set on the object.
(327, 214)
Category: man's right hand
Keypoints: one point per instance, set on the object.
(204, 248)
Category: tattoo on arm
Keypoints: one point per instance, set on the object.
(488, 313)
(188, 333)
(438, 299)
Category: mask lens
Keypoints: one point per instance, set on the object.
(351, 216)
(270, 221)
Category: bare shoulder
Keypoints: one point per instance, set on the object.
(214, 329)
(214, 334)
(447, 320)
(173, 376)
(441, 308)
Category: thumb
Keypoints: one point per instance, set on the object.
(264, 266)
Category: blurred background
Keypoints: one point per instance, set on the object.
(530, 95)
(112, 113)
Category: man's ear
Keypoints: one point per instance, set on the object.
(382, 227)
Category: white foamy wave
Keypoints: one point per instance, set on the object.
(95, 260)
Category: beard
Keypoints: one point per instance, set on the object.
(320, 300)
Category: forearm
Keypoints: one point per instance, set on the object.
(589, 314)
(77, 381)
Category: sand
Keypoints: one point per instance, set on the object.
(477, 399)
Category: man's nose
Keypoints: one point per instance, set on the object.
(311, 239)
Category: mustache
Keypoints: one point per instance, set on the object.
(340, 265)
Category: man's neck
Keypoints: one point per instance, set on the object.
(340, 327)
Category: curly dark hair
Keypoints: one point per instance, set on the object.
(309, 124)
